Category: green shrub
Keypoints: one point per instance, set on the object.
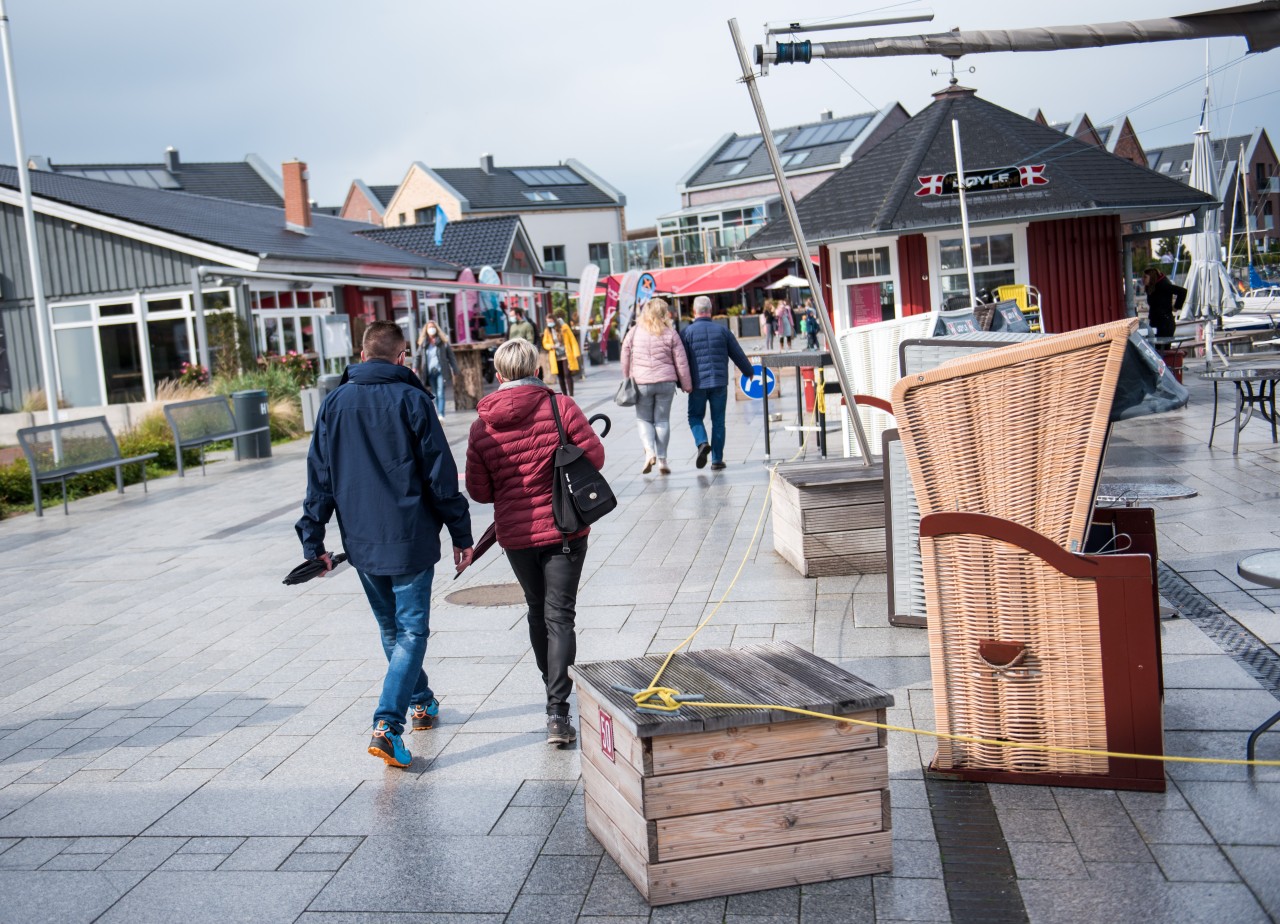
(275, 379)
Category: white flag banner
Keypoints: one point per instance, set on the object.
(586, 299)
(627, 301)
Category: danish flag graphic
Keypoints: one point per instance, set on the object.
(931, 185)
(1033, 175)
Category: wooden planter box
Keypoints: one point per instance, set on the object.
(828, 517)
(720, 801)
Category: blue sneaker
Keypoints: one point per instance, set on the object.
(423, 716)
(389, 746)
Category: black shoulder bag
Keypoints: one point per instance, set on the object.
(579, 493)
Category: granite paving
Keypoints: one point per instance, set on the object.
(183, 738)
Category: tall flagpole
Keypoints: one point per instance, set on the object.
(802, 246)
(43, 332)
(964, 212)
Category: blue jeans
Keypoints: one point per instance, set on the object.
(653, 417)
(435, 382)
(402, 606)
(699, 398)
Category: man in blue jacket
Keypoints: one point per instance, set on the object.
(379, 459)
(710, 347)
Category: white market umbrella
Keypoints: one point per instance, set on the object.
(1210, 291)
(789, 282)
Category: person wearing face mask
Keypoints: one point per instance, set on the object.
(434, 363)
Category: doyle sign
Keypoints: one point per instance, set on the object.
(977, 181)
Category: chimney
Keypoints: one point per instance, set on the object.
(486, 163)
(171, 161)
(297, 200)
(824, 115)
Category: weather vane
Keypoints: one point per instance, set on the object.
(934, 72)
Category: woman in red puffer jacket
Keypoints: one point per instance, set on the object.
(509, 455)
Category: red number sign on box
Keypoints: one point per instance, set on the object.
(606, 735)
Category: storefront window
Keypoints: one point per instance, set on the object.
(122, 363)
(78, 379)
(994, 264)
(868, 286)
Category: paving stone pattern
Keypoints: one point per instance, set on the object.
(182, 737)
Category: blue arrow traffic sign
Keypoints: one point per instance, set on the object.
(755, 385)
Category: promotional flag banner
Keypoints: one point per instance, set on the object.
(586, 299)
(627, 300)
(612, 287)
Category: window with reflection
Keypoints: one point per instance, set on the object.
(994, 264)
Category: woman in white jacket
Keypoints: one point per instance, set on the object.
(654, 356)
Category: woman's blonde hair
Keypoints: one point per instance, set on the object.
(516, 359)
(422, 334)
(655, 316)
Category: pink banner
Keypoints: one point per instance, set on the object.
(611, 290)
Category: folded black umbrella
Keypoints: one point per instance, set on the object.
(486, 541)
(311, 568)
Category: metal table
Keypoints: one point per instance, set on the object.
(1261, 568)
(1246, 379)
(1133, 493)
(805, 359)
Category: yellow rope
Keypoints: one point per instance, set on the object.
(665, 699)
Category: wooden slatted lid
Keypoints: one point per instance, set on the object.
(773, 672)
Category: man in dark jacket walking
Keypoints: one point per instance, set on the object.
(379, 459)
(1164, 301)
(710, 347)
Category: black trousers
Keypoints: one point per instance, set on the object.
(549, 577)
(566, 377)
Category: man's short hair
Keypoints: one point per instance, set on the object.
(383, 340)
(518, 312)
(515, 359)
(702, 305)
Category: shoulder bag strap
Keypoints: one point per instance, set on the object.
(555, 412)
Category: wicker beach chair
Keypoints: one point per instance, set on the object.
(1029, 641)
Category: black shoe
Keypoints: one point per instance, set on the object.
(717, 466)
(704, 450)
(560, 730)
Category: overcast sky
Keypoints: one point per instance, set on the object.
(636, 91)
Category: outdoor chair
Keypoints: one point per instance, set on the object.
(869, 353)
(1028, 299)
(1030, 640)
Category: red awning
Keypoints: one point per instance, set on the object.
(708, 278)
(727, 277)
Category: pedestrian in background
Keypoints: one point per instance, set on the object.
(563, 353)
(770, 321)
(810, 325)
(786, 323)
(435, 363)
(710, 347)
(379, 459)
(653, 355)
(1164, 301)
(509, 457)
(520, 327)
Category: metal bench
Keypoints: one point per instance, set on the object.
(58, 451)
(202, 421)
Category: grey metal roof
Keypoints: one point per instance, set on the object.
(738, 158)
(240, 226)
(502, 189)
(472, 242)
(1175, 161)
(876, 192)
(235, 180)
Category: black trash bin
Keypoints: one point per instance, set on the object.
(250, 409)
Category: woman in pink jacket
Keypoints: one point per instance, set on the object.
(653, 355)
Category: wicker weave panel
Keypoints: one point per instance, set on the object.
(869, 353)
(979, 588)
(1017, 433)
